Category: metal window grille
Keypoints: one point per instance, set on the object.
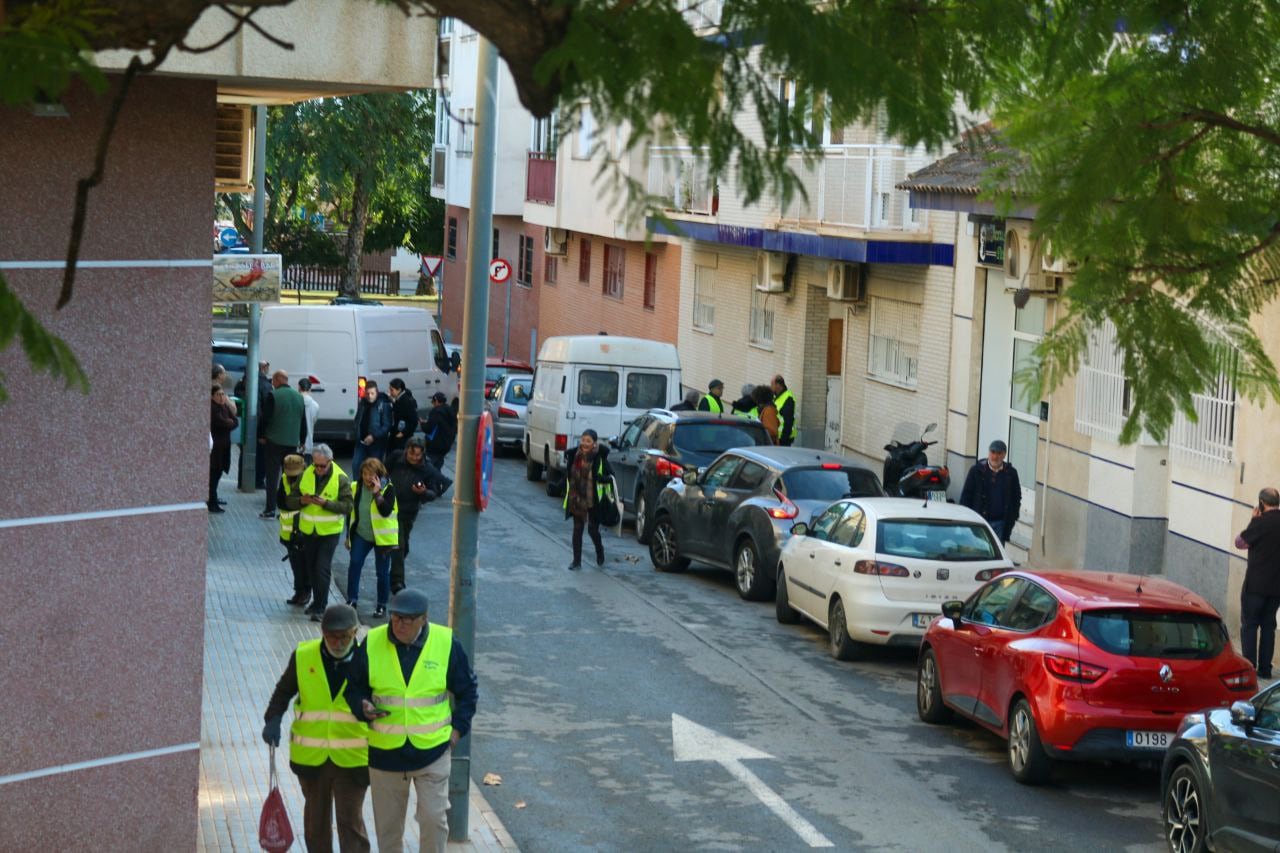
(451, 247)
(1209, 439)
(895, 341)
(1102, 392)
(524, 269)
(614, 266)
(761, 331)
(704, 299)
(584, 261)
(650, 280)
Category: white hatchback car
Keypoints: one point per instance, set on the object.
(877, 570)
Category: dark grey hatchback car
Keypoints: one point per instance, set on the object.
(1221, 778)
(737, 512)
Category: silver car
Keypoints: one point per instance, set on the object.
(508, 402)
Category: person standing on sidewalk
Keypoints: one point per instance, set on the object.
(589, 485)
(1260, 595)
(284, 429)
(328, 746)
(373, 528)
(373, 426)
(404, 415)
(403, 682)
(711, 401)
(440, 427)
(310, 411)
(264, 393)
(993, 491)
(419, 482)
(291, 484)
(222, 422)
(324, 501)
(788, 411)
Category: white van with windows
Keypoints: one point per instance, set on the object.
(598, 382)
(342, 347)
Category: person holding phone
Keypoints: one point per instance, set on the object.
(1260, 594)
(416, 482)
(374, 527)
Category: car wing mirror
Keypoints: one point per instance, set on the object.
(952, 610)
(614, 442)
(799, 529)
(1244, 714)
(690, 476)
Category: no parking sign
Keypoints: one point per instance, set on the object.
(484, 460)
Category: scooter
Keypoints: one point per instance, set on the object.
(908, 474)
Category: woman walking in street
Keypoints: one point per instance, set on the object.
(222, 422)
(589, 485)
(374, 527)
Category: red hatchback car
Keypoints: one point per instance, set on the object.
(1078, 665)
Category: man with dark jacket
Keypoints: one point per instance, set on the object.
(992, 491)
(711, 401)
(417, 481)
(788, 411)
(284, 430)
(440, 426)
(745, 403)
(373, 426)
(404, 415)
(264, 393)
(1260, 595)
(412, 682)
(323, 500)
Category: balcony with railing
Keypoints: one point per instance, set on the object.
(438, 160)
(680, 177)
(540, 177)
(702, 14)
(853, 186)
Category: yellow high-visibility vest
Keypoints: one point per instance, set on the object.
(287, 515)
(323, 725)
(420, 711)
(386, 529)
(795, 415)
(316, 519)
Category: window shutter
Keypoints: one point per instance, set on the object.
(233, 149)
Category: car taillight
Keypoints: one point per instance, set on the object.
(886, 570)
(314, 380)
(787, 510)
(1241, 679)
(562, 441)
(360, 385)
(666, 468)
(831, 466)
(504, 412)
(1072, 669)
(988, 574)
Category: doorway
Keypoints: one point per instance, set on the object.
(835, 388)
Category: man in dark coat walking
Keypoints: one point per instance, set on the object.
(416, 481)
(404, 415)
(1260, 595)
(440, 427)
(992, 491)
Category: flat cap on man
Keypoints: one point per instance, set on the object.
(998, 446)
(715, 383)
(409, 602)
(339, 617)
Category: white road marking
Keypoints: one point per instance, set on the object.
(693, 742)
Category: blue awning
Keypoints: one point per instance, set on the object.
(852, 249)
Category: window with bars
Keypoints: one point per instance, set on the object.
(524, 266)
(614, 270)
(550, 269)
(650, 280)
(760, 332)
(451, 244)
(584, 261)
(1102, 391)
(1210, 439)
(895, 341)
(704, 298)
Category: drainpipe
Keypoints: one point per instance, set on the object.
(1048, 454)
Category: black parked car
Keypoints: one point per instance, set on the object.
(661, 444)
(1220, 785)
(738, 512)
(231, 355)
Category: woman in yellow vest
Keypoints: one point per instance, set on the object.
(328, 745)
(375, 526)
(589, 485)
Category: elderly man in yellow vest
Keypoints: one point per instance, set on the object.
(323, 502)
(401, 682)
(328, 746)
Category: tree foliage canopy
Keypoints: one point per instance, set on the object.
(1148, 130)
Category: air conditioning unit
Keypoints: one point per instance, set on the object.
(1054, 263)
(847, 282)
(771, 272)
(555, 241)
(1043, 282)
(1018, 250)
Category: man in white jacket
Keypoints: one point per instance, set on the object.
(310, 409)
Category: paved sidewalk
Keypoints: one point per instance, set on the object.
(249, 634)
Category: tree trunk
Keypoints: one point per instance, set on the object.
(350, 285)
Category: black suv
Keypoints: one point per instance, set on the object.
(661, 444)
(1221, 778)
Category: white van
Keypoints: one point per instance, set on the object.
(598, 382)
(340, 347)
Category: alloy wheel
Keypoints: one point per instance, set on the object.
(746, 568)
(664, 543)
(925, 684)
(1019, 740)
(1182, 815)
(640, 508)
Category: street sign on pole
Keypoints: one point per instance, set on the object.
(499, 271)
(484, 460)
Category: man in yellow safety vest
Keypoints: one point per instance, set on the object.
(328, 746)
(323, 500)
(290, 482)
(787, 411)
(412, 682)
(712, 400)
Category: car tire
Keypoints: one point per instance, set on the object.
(752, 584)
(642, 523)
(842, 646)
(782, 608)
(664, 548)
(532, 470)
(1028, 762)
(929, 703)
(1183, 812)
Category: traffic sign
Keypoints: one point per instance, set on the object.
(484, 460)
(499, 271)
(229, 238)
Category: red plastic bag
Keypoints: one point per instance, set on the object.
(274, 832)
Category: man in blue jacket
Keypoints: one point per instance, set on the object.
(373, 426)
(992, 491)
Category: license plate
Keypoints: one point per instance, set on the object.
(922, 620)
(939, 496)
(1148, 740)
